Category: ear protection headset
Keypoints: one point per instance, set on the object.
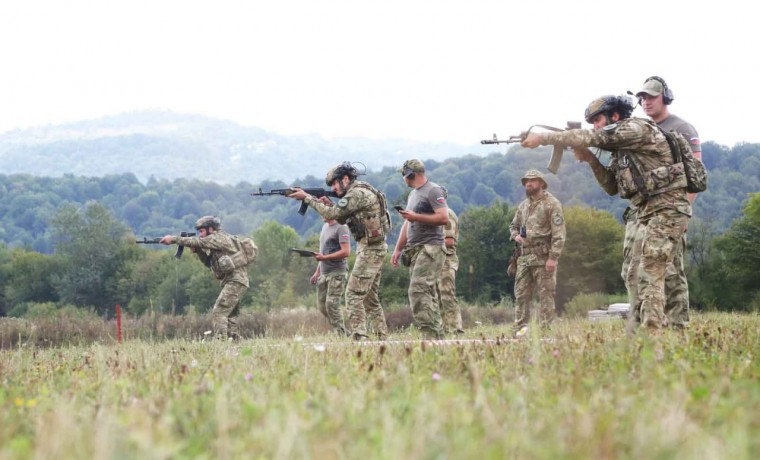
(667, 94)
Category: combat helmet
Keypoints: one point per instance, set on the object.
(609, 104)
(337, 172)
(534, 174)
(208, 221)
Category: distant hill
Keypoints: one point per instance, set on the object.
(167, 145)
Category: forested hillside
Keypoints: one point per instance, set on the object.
(160, 206)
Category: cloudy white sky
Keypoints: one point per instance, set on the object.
(425, 70)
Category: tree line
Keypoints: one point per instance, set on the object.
(70, 240)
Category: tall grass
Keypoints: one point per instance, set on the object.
(578, 390)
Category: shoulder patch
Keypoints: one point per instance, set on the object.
(557, 219)
(611, 127)
(440, 199)
(343, 202)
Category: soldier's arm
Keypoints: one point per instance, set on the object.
(557, 220)
(514, 227)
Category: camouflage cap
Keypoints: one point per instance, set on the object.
(412, 166)
(534, 174)
(652, 87)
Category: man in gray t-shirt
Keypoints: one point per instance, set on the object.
(331, 273)
(655, 97)
(421, 241)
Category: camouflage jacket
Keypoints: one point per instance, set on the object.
(210, 248)
(641, 168)
(361, 209)
(544, 224)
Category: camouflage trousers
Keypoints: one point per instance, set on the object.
(227, 309)
(424, 276)
(532, 278)
(451, 315)
(676, 284)
(656, 243)
(329, 292)
(363, 292)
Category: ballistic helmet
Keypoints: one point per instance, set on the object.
(208, 221)
(534, 174)
(337, 173)
(608, 105)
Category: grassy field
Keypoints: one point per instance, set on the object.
(582, 390)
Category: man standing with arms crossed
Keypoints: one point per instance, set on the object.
(421, 240)
(539, 227)
(654, 98)
(330, 275)
(364, 210)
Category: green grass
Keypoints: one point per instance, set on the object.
(589, 391)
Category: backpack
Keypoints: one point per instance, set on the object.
(696, 174)
(246, 253)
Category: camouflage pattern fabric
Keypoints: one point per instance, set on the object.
(545, 234)
(363, 293)
(425, 275)
(234, 284)
(677, 288)
(363, 289)
(534, 279)
(631, 140)
(227, 309)
(660, 235)
(329, 292)
(451, 315)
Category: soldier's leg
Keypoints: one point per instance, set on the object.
(450, 313)
(360, 283)
(425, 273)
(335, 285)
(677, 288)
(322, 295)
(524, 285)
(223, 314)
(546, 285)
(631, 259)
(661, 236)
(375, 314)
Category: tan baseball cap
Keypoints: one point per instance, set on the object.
(651, 87)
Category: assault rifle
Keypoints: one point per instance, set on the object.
(315, 192)
(180, 249)
(553, 165)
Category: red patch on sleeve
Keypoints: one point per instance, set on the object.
(440, 199)
(694, 141)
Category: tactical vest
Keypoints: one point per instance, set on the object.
(372, 223)
(696, 174)
(633, 180)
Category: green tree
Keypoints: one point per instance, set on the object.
(90, 247)
(593, 254)
(484, 249)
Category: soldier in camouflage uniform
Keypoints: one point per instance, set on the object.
(642, 170)
(451, 315)
(654, 98)
(364, 210)
(331, 273)
(421, 241)
(217, 249)
(539, 227)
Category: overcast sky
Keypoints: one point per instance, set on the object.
(425, 70)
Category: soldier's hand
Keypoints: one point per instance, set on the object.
(168, 239)
(314, 278)
(326, 201)
(519, 239)
(551, 266)
(533, 140)
(583, 154)
(298, 194)
(394, 257)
